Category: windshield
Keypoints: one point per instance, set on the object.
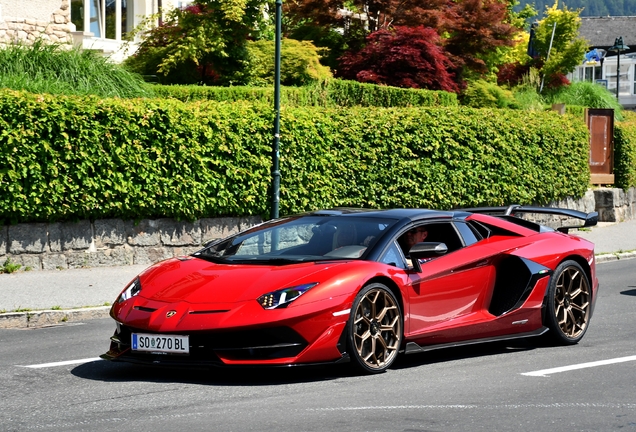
(299, 239)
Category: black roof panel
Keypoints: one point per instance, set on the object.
(413, 214)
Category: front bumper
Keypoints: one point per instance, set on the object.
(269, 346)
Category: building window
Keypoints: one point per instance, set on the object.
(625, 80)
(77, 14)
(589, 73)
(110, 19)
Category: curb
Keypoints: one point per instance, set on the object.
(44, 318)
(616, 256)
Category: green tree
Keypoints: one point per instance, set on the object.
(202, 43)
(568, 49)
(300, 63)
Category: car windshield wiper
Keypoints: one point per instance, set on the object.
(265, 260)
(277, 260)
(212, 258)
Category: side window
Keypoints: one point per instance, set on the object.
(479, 229)
(444, 232)
(467, 234)
(393, 256)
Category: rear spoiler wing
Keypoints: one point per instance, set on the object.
(590, 219)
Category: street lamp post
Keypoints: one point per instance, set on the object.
(276, 144)
(618, 47)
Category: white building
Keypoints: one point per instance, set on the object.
(601, 33)
(91, 24)
(605, 75)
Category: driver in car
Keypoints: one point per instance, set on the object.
(409, 239)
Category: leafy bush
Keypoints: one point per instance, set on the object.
(300, 63)
(330, 93)
(576, 110)
(203, 42)
(482, 94)
(345, 93)
(57, 69)
(625, 151)
(66, 158)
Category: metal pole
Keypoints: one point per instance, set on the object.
(275, 147)
(548, 56)
(618, 73)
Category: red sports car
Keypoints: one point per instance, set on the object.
(360, 285)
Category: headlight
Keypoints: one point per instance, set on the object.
(282, 298)
(132, 290)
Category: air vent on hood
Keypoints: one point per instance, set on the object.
(144, 309)
(203, 312)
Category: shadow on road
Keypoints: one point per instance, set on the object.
(631, 292)
(470, 351)
(123, 372)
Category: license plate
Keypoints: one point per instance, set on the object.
(164, 344)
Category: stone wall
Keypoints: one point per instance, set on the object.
(615, 205)
(24, 21)
(110, 242)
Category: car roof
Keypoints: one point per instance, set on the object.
(413, 214)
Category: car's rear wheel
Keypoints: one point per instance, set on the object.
(375, 328)
(568, 303)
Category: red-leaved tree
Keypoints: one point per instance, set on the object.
(401, 57)
(476, 29)
(472, 29)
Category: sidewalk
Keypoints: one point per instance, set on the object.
(52, 296)
(615, 239)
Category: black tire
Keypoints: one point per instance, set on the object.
(374, 331)
(568, 303)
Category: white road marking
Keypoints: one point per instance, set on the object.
(62, 363)
(547, 372)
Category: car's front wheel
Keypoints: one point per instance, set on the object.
(568, 303)
(375, 328)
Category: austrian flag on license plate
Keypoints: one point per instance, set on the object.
(173, 344)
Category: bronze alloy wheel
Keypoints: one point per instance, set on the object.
(375, 328)
(569, 296)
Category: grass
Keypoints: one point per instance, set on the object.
(582, 94)
(55, 308)
(9, 266)
(617, 253)
(585, 94)
(56, 69)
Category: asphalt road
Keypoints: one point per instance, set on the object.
(492, 387)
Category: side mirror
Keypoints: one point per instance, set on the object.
(426, 250)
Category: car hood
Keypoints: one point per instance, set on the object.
(195, 280)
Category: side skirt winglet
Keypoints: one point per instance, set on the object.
(413, 348)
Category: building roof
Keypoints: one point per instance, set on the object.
(601, 32)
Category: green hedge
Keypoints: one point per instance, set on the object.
(330, 93)
(64, 158)
(625, 151)
(575, 110)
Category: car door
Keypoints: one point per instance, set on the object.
(451, 290)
